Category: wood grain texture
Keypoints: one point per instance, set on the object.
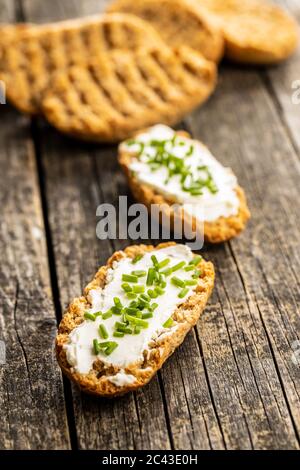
(32, 407)
(233, 383)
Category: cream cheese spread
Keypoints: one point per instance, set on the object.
(130, 347)
(217, 196)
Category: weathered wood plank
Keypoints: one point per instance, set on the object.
(282, 81)
(32, 409)
(247, 345)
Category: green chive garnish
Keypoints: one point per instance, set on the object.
(137, 321)
(139, 273)
(159, 290)
(150, 276)
(152, 294)
(163, 263)
(147, 315)
(96, 346)
(167, 272)
(197, 273)
(131, 295)
(138, 289)
(110, 348)
(126, 287)
(145, 298)
(154, 261)
(183, 293)
(137, 330)
(136, 259)
(168, 323)
(177, 282)
(178, 266)
(196, 260)
(107, 314)
(153, 307)
(118, 334)
(90, 316)
(103, 331)
(129, 278)
(191, 283)
(189, 268)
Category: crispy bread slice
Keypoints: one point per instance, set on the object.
(185, 317)
(255, 31)
(179, 22)
(35, 54)
(118, 93)
(220, 230)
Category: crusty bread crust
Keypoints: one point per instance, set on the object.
(35, 53)
(185, 317)
(179, 22)
(120, 92)
(255, 31)
(220, 230)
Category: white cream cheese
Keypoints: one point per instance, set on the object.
(130, 348)
(209, 206)
(121, 379)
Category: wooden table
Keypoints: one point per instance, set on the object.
(235, 382)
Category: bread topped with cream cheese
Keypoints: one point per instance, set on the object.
(132, 316)
(164, 167)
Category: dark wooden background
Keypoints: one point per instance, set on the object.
(233, 383)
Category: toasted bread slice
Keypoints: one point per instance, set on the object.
(120, 92)
(102, 376)
(179, 22)
(219, 230)
(256, 32)
(36, 53)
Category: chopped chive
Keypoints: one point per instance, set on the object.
(118, 334)
(153, 307)
(163, 263)
(142, 304)
(138, 289)
(168, 323)
(129, 278)
(137, 330)
(96, 346)
(131, 295)
(177, 282)
(103, 331)
(110, 348)
(150, 277)
(133, 304)
(145, 297)
(89, 316)
(152, 294)
(154, 261)
(98, 314)
(191, 283)
(131, 311)
(117, 302)
(139, 273)
(139, 314)
(159, 290)
(107, 314)
(128, 331)
(196, 260)
(126, 287)
(183, 293)
(104, 345)
(116, 310)
(178, 266)
(137, 321)
(197, 273)
(136, 259)
(147, 315)
(119, 325)
(190, 151)
(189, 268)
(167, 272)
